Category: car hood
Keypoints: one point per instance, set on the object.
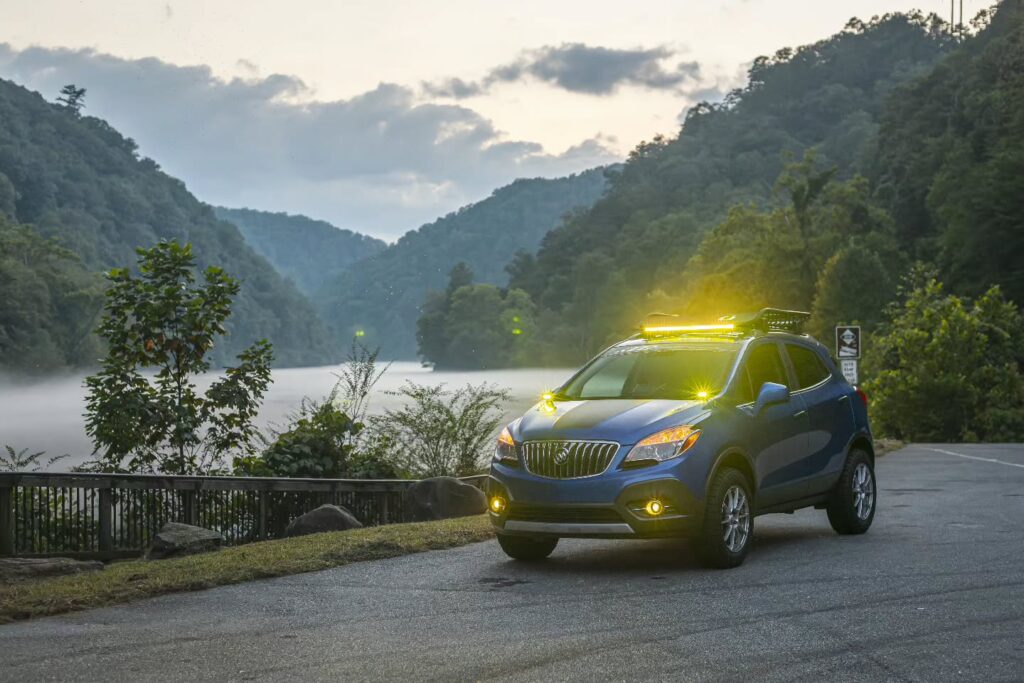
(623, 420)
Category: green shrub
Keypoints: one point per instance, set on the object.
(943, 369)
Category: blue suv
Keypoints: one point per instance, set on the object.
(687, 430)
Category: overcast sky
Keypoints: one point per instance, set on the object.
(380, 115)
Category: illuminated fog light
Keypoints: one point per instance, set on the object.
(654, 507)
(498, 505)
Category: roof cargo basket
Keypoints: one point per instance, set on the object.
(770, 320)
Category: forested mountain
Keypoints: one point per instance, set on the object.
(950, 164)
(76, 179)
(730, 213)
(49, 305)
(308, 251)
(817, 186)
(381, 296)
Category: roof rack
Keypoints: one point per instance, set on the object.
(765, 320)
(771, 320)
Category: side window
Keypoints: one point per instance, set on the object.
(809, 368)
(764, 364)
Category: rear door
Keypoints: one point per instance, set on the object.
(826, 399)
(777, 438)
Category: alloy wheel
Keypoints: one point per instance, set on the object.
(863, 491)
(735, 519)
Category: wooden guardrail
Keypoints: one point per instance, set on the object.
(107, 516)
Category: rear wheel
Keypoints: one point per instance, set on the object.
(527, 548)
(852, 506)
(728, 521)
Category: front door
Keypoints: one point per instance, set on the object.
(778, 435)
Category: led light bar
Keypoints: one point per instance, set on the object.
(766, 320)
(714, 327)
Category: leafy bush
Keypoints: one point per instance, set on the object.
(327, 439)
(439, 432)
(944, 369)
(317, 444)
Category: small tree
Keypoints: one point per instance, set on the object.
(161, 320)
(442, 433)
(72, 98)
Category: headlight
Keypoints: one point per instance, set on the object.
(662, 446)
(505, 449)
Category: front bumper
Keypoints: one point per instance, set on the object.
(610, 505)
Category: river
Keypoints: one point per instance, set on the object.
(48, 415)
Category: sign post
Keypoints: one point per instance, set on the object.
(848, 351)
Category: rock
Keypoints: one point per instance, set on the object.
(24, 568)
(175, 540)
(442, 498)
(324, 518)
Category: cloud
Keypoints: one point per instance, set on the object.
(580, 68)
(381, 162)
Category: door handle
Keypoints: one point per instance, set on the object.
(800, 413)
(843, 398)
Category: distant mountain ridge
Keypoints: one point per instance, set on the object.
(310, 252)
(76, 179)
(381, 296)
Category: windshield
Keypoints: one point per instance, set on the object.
(650, 371)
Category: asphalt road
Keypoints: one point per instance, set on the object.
(934, 591)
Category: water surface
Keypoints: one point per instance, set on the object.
(47, 415)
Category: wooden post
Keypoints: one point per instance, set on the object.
(384, 507)
(106, 514)
(261, 520)
(6, 521)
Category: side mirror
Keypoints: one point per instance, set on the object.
(770, 394)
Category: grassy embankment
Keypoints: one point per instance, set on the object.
(136, 579)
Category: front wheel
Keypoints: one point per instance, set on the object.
(852, 506)
(526, 548)
(728, 521)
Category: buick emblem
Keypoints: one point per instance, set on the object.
(562, 455)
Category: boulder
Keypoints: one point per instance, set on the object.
(25, 568)
(442, 498)
(175, 540)
(324, 518)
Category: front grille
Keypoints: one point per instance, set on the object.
(568, 459)
(562, 513)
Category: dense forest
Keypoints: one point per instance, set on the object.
(381, 296)
(76, 180)
(816, 186)
(309, 252)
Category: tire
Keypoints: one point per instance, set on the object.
(851, 507)
(526, 548)
(729, 509)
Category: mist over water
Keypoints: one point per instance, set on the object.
(48, 415)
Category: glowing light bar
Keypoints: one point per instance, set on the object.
(713, 327)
